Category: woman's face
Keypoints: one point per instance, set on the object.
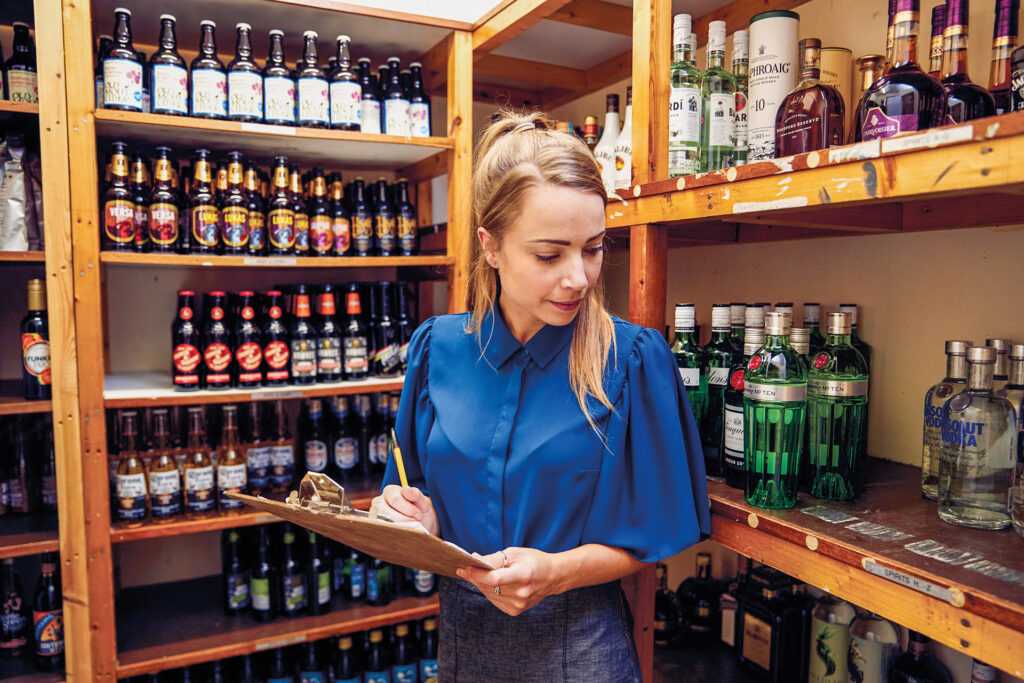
(549, 258)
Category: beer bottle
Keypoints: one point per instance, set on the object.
(36, 375)
(341, 230)
(163, 204)
(406, 658)
(14, 618)
(387, 362)
(217, 672)
(168, 73)
(245, 672)
(122, 70)
(278, 84)
(215, 340)
(379, 583)
(312, 86)
(204, 214)
(310, 669)
(48, 468)
(139, 188)
(369, 105)
(221, 183)
(405, 79)
(281, 216)
(303, 339)
(408, 234)
(282, 454)
(354, 342)
(278, 669)
(362, 220)
(380, 434)
(346, 446)
(164, 478)
(328, 349)
(247, 340)
(184, 214)
(118, 207)
(261, 581)
(346, 663)
(396, 103)
(106, 41)
(383, 83)
(48, 616)
(22, 81)
(146, 99)
(257, 220)
(428, 651)
(346, 93)
(321, 235)
(293, 580)
(185, 356)
(318, 577)
(245, 81)
(355, 575)
(132, 495)
(384, 220)
(378, 668)
(21, 470)
(419, 104)
(314, 436)
(406, 325)
(257, 452)
(200, 497)
(299, 211)
(209, 81)
(231, 466)
(276, 349)
(235, 208)
(236, 575)
(365, 433)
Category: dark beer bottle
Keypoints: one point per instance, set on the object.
(362, 220)
(299, 211)
(209, 81)
(383, 82)
(164, 476)
(216, 338)
(346, 663)
(341, 230)
(204, 214)
(419, 104)
(396, 102)
(36, 376)
(321, 235)
(281, 217)
(384, 221)
(380, 433)
(408, 235)
(48, 467)
(163, 204)
(387, 361)
(185, 341)
(354, 343)
(346, 93)
(328, 337)
(217, 672)
(406, 325)
(278, 668)
(106, 41)
(379, 583)
(369, 113)
(261, 581)
(247, 340)
(345, 448)
(313, 104)
(378, 667)
(235, 208)
(132, 493)
(168, 73)
(276, 349)
(22, 79)
(282, 453)
(118, 207)
(244, 670)
(278, 84)
(257, 452)
(184, 215)
(310, 669)
(405, 662)
(21, 470)
(139, 188)
(231, 469)
(122, 69)
(428, 651)
(355, 576)
(314, 435)
(200, 494)
(293, 580)
(318, 577)
(48, 616)
(245, 80)
(303, 339)
(236, 575)
(257, 219)
(14, 623)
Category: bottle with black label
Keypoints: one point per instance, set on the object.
(257, 219)
(408, 234)
(22, 479)
(313, 102)
(139, 187)
(247, 341)
(163, 216)
(355, 342)
(345, 91)
(396, 102)
(168, 73)
(262, 579)
(122, 70)
(236, 576)
(321, 233)
(231, 466)
(132, 493)
(341, 227)
(164, 477)
(276, 349)
(14, 612)
(48, 616)
(303, 339)
(36, 375)
(204, 213)
(216, 339)
(280, 216)
(282, 454)
(318, 576)
(245, 80)
(362, 221)
(369, 114)
(345, 451)
(235, 208)
(118, 207)
(200, 494)
(278, 84)
(209, 80)
(314, 435)
(293, 581)
(385, 222)
(299, 210)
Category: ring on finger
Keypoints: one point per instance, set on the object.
(497, 590)
(505, 559)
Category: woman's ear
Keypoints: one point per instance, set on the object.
(489, 246)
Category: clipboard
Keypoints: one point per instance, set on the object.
(320, 506)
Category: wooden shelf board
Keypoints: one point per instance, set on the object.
(149, 389)
(115, 258)
(906, 183)
(22, 257)
(19, 107)
(329, 148)
(974, 612)
(22, 535)
(13, 403)
(192, 627)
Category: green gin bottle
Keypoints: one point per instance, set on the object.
(737, 315)
(754, 316)
(719, 357)
(685, 105)
(689, 360)
(718, 90)
(812, 318)
(774, 402)
(800, 338)
(837, 414)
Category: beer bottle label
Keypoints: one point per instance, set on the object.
(35, 356)
(278, 354)
(357, 580)
(205, 221)
(259, 467)
(346, 453)
(313, 104)
(355, 355)
(186, 359)
(131, 497)
(245, 94)
(345, 102)
(419, 119)
(199, 489)
(217, 357)
(282, 465)
(170, 89)
(407, 233)
(388, 358)
(369, 116)
(303, 358)
(342, 235)
(379, 449)
(362, 234)
(282, 228)
(165, 492)
(122, 83)
(423, 581)
(209, 92)
(259, 589)
(396, 117)
(140, 218)
(387, 230)
(403, 673)
(236, 226)
(428, 671)
(378, 677)
(316, 456)
(237, 590)
(328, 355)
(312, 677)
(119, 220)
(323, 587)
(13, 623)
(294, 589)
(372, 585)
(49, 632)
(249, 356)
(279, 99)
(48, 490)
(257, 232)
(321, 236)
(230, 479)
(23, 86)
(163, 223)
(301, 232)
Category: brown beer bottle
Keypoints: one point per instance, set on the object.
(321, 237)
(185, 357)
(257, 219)
(299, 210)
(281, 217)
(234, 207)
(282, 452)
(163, 204)
(204, 214)
(341, 227)
(118, 207)
(140, 201)
(48, 616)
(216, 343)
(276, 350)
(247, 342)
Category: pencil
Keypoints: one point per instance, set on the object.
(398, 461)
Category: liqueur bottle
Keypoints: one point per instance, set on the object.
(689, 360)
(830, 641)
(771, 629)
(774, 405)
(1004, 38)
(698, 598)
(934, 399)
(812, 115)
(666, 611)
(965, 100)
(917, 665)
(837, 415)
(719, 357)
(874, 646)
(936, 46)
(740, 71)
(685, 105)
(718, 92)
(733, 419)
(604, 150)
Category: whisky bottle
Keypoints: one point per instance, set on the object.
(874, 645)
(774, 405)
(1000, 373)
(718, 92)
(917, 665)
(934, 399)
(737, 314)
(979, 450)
(965, 100)
(689, 360)
(936, 46)
(624, 147)
(685, 105)
(733, 419)
(604, 150)
(771, 628)
(837, 414)
(740, 71)
(132, 493)
(858, 343)
(200, 496)
(812, 115)
(1004, 38)
(231, 465)
(812, 317)
(719, 357)
(164, 477)
(830, 640)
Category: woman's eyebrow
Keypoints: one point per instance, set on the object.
(566, 243)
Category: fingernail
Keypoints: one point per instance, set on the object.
(459, 573)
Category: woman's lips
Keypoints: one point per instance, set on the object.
(567, 306)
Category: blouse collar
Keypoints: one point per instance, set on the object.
(500, 345)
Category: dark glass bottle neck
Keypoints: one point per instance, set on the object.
(276, 55)
(243, 45)
(344, 60)
(720, 335)
(208, 43)
(168, 38)
(309, 55)
(123, 32)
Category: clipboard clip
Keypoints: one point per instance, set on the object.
(319, 493)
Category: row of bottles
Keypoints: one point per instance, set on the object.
(612, 146)
(33, 628)
(18, 76)
(313, 94)
(276, 340)
(162, 476)
(28, 471)
(405, 653)
(235, 207)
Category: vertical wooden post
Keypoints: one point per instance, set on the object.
(60, 275)
(460, 165)
(91, 529)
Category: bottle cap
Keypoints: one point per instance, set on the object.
(612, 102)
(344, 37)
(1017, 352)
(208, 22)
(345, 643)
(682, 23)
(244, 25)
(402, 630)
(851, 309)
(393, 59)
(1000, 345)
(310, 34)
(839, 323)
(753, 339)
(800, 338)
(186, 292)
(685, 317)
(720, 317)
(981, 354)
(164, 16)
(754, 316)
(736, 313)
(958, 347)
(812, 313)
(777, 324)
(716, 35)
(376, 636)
(275, 32)
(740, 42)
(119, 10)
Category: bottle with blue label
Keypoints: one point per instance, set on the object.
(168, 73)
(355, 576)
(379, 583)
(310, 668)
(378, 669)
(314, 435)
(279, 672)
(209, 80)
(346, 663)
(245, 79)
(405, 665)
(428, 652)
(396, 102)
(419, 104)
(132, 494)
(369, 111)
(345, 92)
(278, 84)
(313, 98)
(345, 450)
(122, 70)
(319, 588)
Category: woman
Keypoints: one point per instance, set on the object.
(541, 433)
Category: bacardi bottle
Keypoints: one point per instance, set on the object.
(733, 427)
(1000, 373)
(604, 151)
(965, 100)
(690, 360)
(718, 92)
(936, 397)
(719, 357)
(1004, 38)
(740, 71)
(624, 147)
(685, 105)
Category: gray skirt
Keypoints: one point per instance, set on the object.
(583, 635)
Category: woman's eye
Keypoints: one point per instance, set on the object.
(546, 258)
(594, 251)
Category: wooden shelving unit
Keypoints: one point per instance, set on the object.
(19, 107)
(22, 257)
(128, 259)
(32, 534)
(12, 401)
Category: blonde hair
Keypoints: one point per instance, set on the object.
(516, 153)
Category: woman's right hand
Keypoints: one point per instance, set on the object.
(407, 504)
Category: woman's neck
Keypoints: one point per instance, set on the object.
(522, 325)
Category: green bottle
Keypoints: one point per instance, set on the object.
(718, 90)
(690, 360)
(774, 402)
(837, 414)
(737, 314)
(719, 357)
(858, 343)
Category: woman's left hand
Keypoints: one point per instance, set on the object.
(525, 577)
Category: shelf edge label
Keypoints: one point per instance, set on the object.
(269, 261)
(860, 151)
(912, 582)
(784, 203)
(294, 640)
(266, 128)
(929, 139)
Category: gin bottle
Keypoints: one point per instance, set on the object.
(737, 315)
(754, 316)
(786, 309)
(874, 646)
(774, 402)
(837, 414)
(719, 357)
(718, 90)
(800, 338)
(812, 318)
(732, 429)
(858, 343)
(689, 359)
(979, 450)
(1002, 368)
(936, 397)
(685, 106)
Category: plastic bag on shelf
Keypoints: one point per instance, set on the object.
(21, 226)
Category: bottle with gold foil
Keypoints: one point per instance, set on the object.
(257, 245)
(299, 210)
(408, 236)
(384, 221)
(200, 494)
(362, 220)
(139, 187)
(935, 46)
(35, 345)
(163, 204)
(235, 208)
(204, 214)
(231, 466)
(1004, 39)
(837, 71)
(130, 484)
(163, 475)
(965, 100)
(321, 235)
(341, 227)
(812, 115)
(118, 207)
(280, 216)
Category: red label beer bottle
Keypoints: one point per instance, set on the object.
(276, 351)
(216, 343)
(303, 340)
(163, 204)
(328, 343)
(185, 356)
(248, 343)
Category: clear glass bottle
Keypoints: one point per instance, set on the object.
(965, 100)
(837, 414)
(718, 90)
(830, 640)
(874, 645)
(740, 71)
(689, 360)
(685, 105)
(979, 450)
(936, 397)
(719, 357)
(1002, 369)
(774, 405)
(812, 115)
(733, 427)
(1014, 393)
